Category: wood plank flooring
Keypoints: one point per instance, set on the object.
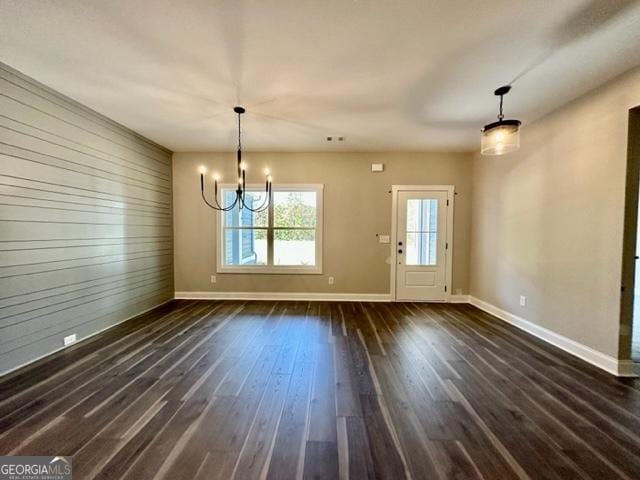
(314, 390)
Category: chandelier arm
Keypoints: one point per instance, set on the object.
(228, 207)
(207, 202)
(261, 208)
(217, 205)
(265, 203)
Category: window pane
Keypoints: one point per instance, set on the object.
(421, 248)
(294, 247)
(422, 215)
(244, 217)
(294, 209)
(245, 246)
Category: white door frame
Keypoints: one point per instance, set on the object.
(450, 189)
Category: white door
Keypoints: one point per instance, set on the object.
(421, 243)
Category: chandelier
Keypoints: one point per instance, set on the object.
(503, 136)
(241, 191)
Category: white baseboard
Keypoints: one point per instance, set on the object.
(344, 297)
(327, 297)
(459, 299)
(620, 368)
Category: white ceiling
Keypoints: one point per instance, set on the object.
(403, 74)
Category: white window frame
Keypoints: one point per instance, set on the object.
(278, 269)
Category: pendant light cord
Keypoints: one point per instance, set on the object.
(501, 116)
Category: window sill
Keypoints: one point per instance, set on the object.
(259, 270)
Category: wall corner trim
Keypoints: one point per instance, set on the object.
(619, 368)
(304, 296)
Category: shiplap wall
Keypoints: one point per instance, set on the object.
(85, 221)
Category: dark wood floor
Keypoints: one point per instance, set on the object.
(279, 390)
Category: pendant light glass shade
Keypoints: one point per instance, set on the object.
(501, 137)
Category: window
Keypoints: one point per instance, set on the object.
(285, 238)
(422, 231)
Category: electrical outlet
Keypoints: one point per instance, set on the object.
(523, 301)
(69, 339)
(213, 279)
(331, 280)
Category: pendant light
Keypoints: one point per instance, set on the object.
(241, 191)
(503, 136)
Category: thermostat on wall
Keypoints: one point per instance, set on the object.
(377, 167)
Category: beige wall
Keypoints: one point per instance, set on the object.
(357, 205)
(548, 219)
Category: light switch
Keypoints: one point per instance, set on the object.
(377, 167)
(384, 239)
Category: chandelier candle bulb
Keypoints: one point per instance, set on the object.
(202, 169)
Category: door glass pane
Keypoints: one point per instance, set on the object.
(421, 249)
(245, 246)
(244, 217)
(422, 231)
(294, 247)
(422, 215)
(294, 209)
